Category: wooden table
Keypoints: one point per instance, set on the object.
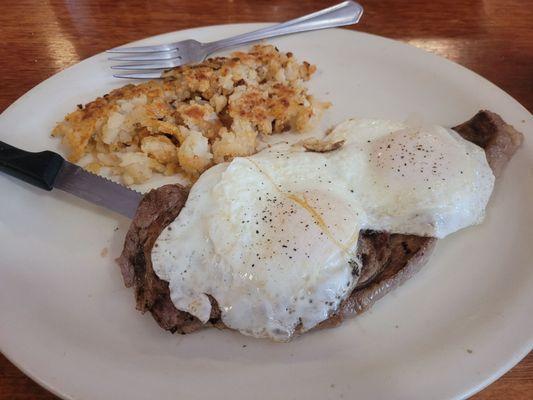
(40, 38)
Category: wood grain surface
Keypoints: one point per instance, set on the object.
(40, 38)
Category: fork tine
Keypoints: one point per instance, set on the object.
(167, 55)
(145, 75)
(159, 65)
(144, 49)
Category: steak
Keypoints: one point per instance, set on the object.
(387, 259)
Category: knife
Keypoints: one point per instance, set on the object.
(48, 170)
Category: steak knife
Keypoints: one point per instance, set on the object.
(48, 170)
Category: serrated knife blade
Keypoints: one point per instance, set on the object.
(97, 190)
(48, 170)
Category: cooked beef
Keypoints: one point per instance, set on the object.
(498, 139)
(157, 209)
(388, 260)
(394, 257)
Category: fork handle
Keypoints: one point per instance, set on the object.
(342, 14)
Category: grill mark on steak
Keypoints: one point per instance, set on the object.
(388, 260)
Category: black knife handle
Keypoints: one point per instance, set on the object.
(39, 169)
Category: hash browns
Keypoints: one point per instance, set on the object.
(196, 116)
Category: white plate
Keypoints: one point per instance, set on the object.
(68, 322)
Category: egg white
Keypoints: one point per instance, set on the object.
(272, 238)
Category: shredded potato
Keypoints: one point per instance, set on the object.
(194, 117)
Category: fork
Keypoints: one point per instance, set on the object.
(165, 56)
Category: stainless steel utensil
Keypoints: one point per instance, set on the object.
(48, 170)
(152, 58)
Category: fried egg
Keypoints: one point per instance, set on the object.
(272, 237)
